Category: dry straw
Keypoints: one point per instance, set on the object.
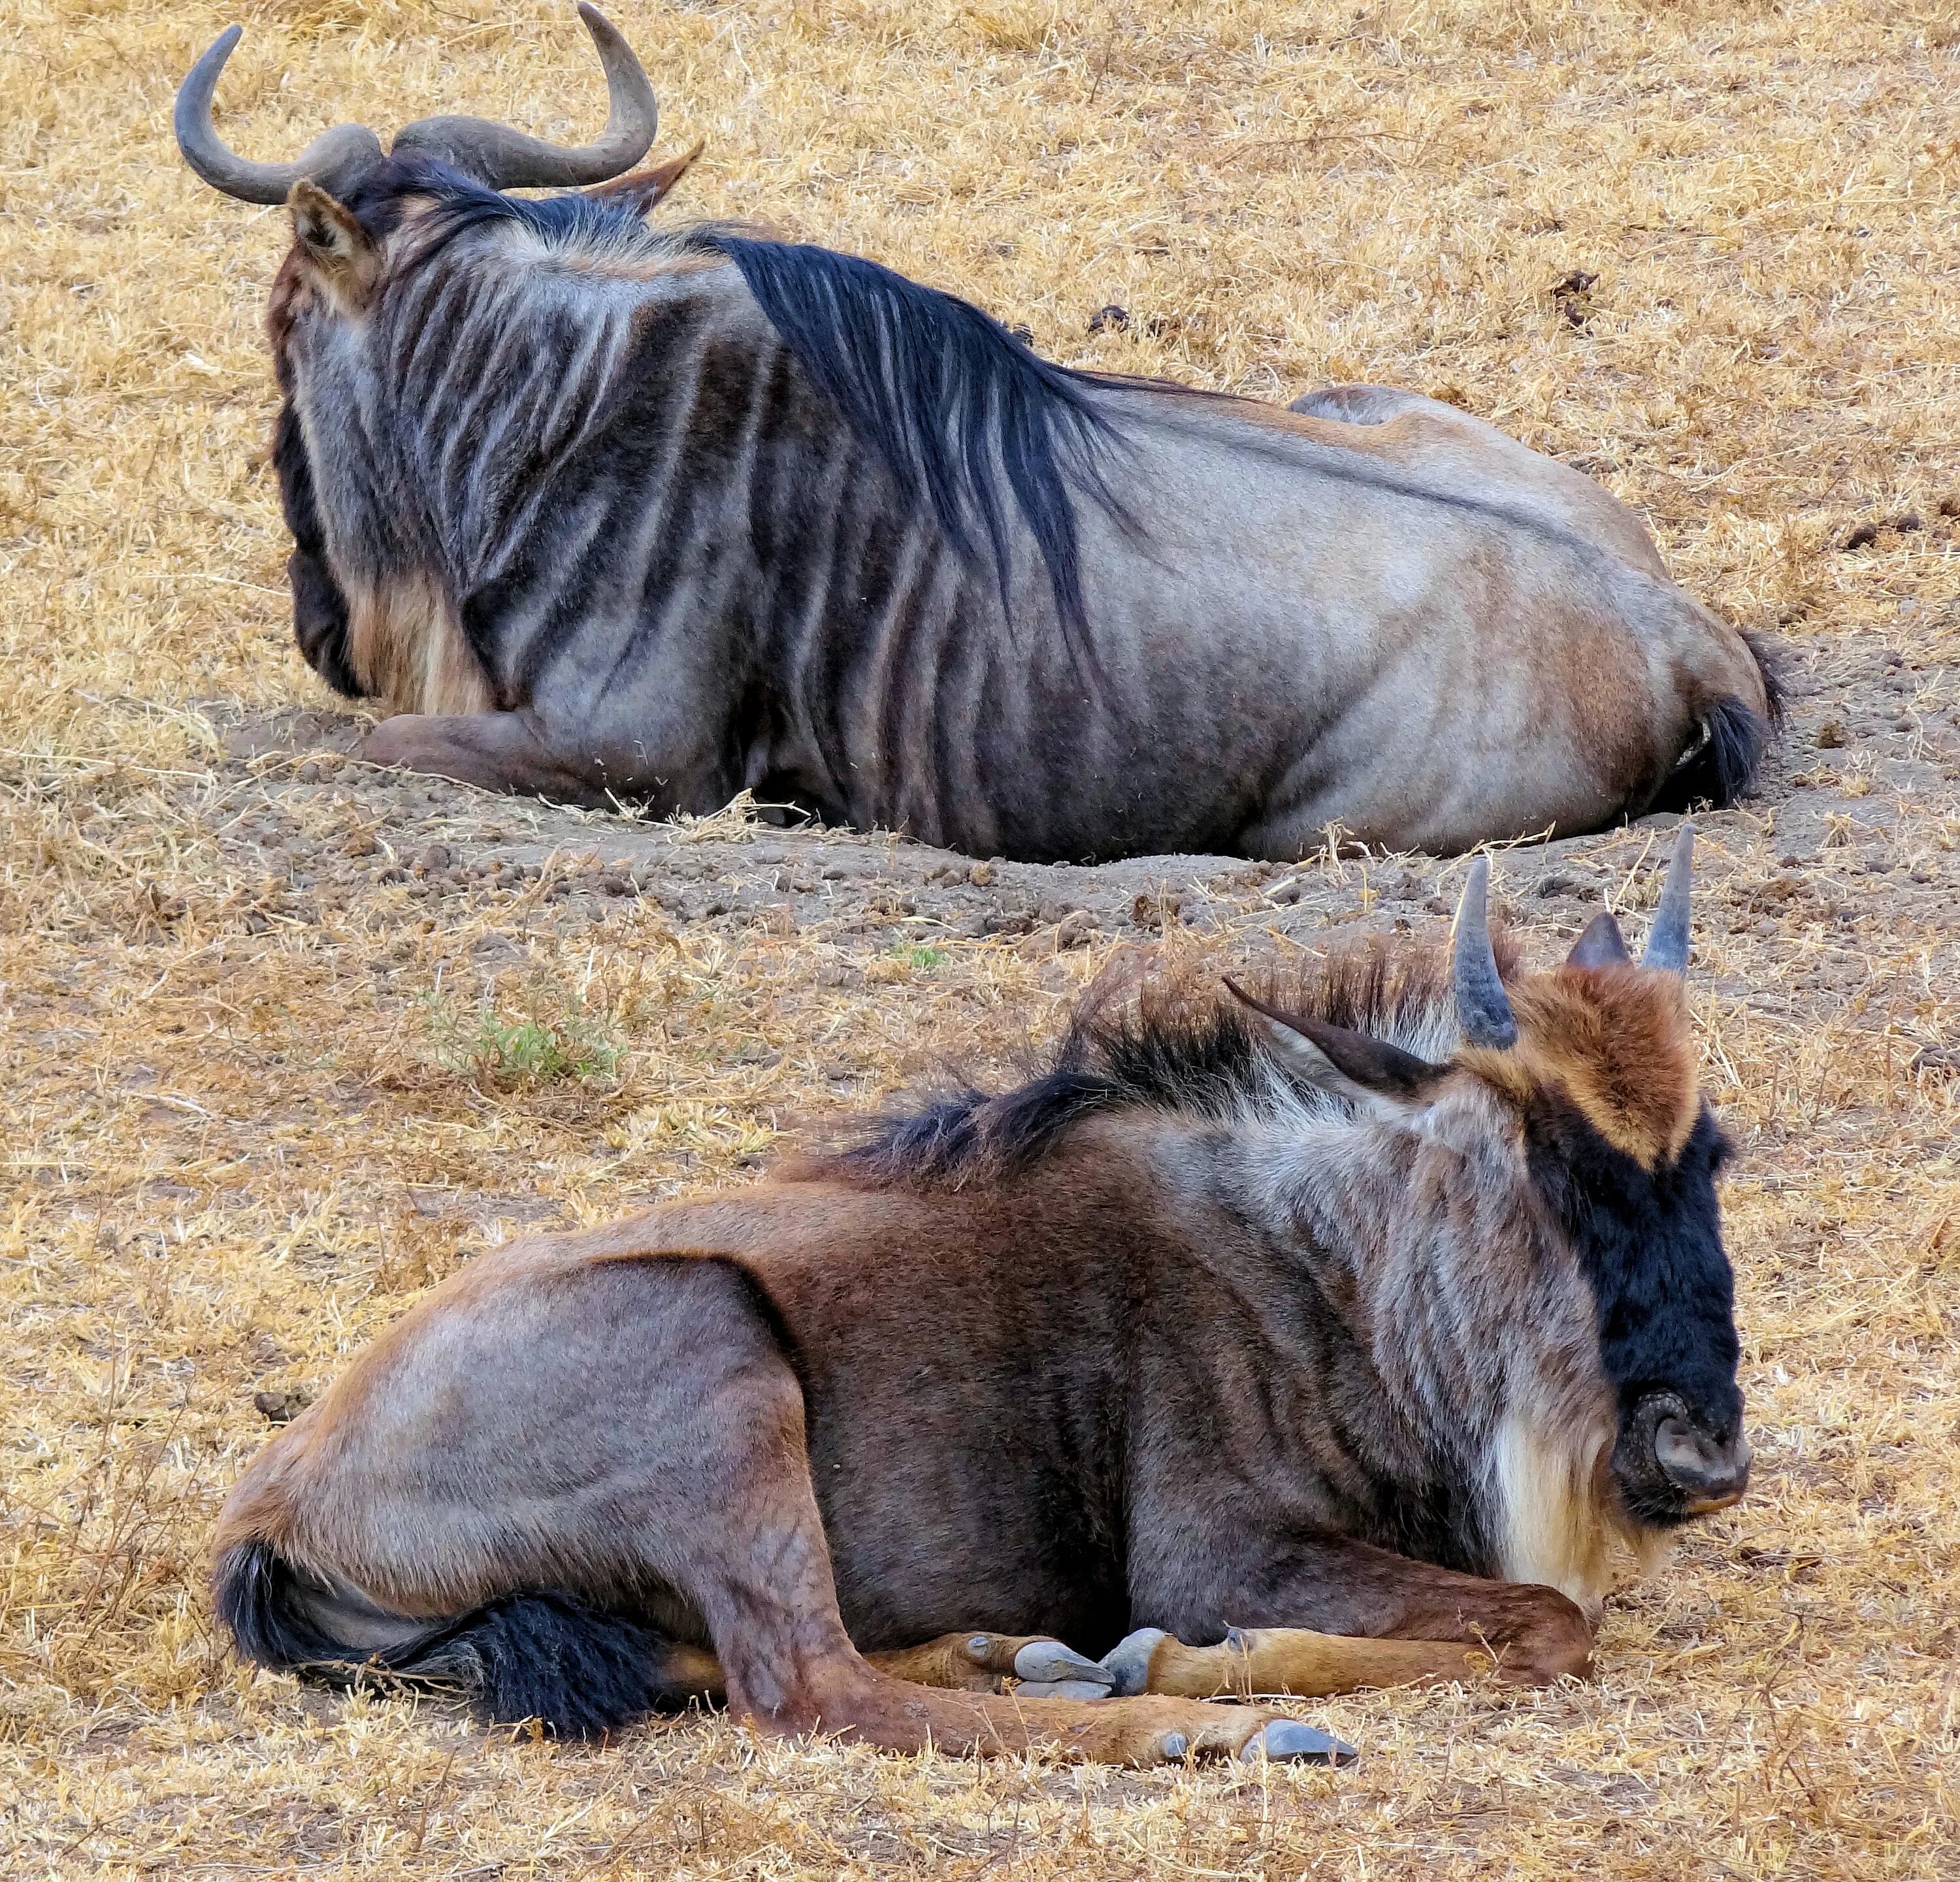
(1710, 252)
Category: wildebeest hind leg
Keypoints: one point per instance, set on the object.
(739, 1536)
(979, 1662)
(957, 1663)
(764, 1583)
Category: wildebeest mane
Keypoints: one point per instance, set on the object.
(461, 204)
(959, 412)
(949, 399)
(1170, 1040)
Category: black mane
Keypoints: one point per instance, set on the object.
(947, 397)
(1179, 1043)
(950, 401)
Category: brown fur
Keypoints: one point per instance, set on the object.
(1121, 1419)
(1614, 1040)
(641, 190)
(333, 248)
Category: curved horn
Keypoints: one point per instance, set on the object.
(1667, 939)
(1483, 1007)
(508, 159)
(331, 159)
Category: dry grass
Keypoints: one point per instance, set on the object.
(257, 1096)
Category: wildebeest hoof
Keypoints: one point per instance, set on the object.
(1048, 1662)
(1287, 1741)
(1063, 1688)
(1128, 1662)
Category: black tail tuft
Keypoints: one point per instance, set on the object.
(550, 1657)
(577, 1671)
(253, 1591)
(1721, 769)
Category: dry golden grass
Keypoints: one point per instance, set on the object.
(259, 1092)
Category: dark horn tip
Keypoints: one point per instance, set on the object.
(201, 80)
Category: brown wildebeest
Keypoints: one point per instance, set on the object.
(1319, 1341)
(603, 512)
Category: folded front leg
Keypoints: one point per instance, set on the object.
(516, 751)
(1385, 1620)
(1290, 1659)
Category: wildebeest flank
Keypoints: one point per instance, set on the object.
(1324, 1337)
(611, 514)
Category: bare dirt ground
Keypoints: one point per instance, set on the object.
(287, 1039)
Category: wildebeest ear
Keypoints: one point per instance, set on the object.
(335, 249)
(1601, 945)
(641, 189)
(1352, 1065)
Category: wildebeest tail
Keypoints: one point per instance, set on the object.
(1720, 767)
(579, 1671)
(1721, 763)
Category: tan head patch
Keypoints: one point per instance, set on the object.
(1615, 1042)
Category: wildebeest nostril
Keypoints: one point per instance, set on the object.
(1711, 1470)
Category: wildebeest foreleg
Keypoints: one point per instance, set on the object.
(1383, 1621)
(497, 751)
(1290, 1659)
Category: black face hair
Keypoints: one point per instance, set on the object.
(320, 609)
(1651, 1244)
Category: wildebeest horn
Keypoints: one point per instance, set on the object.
(1667, 940)
(334, 157)
(1483, 1007)
(1601, 945)
(493, 153)
(508, 159)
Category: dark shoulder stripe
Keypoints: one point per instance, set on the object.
(954, 406)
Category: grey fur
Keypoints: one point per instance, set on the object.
(681, 577)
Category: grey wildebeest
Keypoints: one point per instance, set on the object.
(1328, 1336)
(610, 514)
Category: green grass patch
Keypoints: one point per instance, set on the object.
(506, 1052)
